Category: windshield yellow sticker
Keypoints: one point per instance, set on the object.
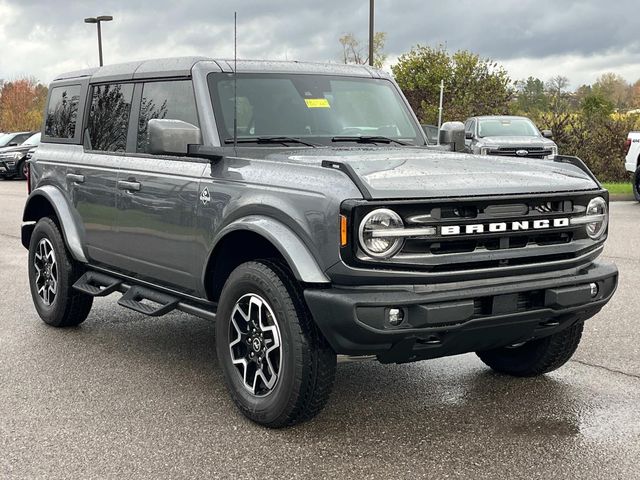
(317, 103)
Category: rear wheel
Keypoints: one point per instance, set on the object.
(277, 365)
(536, 357)
(52, 273)
(636, 184)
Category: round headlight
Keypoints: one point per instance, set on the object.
(597, 206)
(371, 233)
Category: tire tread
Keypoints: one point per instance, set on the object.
(76, 305)
(546, 355)
(317, 363)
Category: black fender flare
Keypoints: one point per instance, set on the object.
(288, 243)
(71, 231)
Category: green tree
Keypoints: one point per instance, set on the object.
(473, 85)
(355, 51)
(596, 105)
(531, 96)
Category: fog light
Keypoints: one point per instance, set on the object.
(395, 316)
(594, 289)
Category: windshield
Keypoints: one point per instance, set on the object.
(5, 139)
(507, 127)
(320, 109)
(33, 140)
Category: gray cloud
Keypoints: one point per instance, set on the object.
(579, 39)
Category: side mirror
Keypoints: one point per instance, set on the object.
(172, 137)
(12, 144)
(547, 133)
(452, 133)
(468, 135)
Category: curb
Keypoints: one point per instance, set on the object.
(620, 197)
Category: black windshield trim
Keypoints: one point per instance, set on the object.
(270, 140)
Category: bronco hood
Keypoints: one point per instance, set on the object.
(388, 173)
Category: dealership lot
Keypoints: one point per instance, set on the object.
(130, 396)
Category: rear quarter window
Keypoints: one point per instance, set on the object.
(62, 112)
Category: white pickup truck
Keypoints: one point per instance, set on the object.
(632, 162)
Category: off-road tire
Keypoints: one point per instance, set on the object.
(308, 363)
(636, 184)
(69, 307)
(536, 357)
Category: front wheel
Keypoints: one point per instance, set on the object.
(536, 357)
(22, 170)
(277, 365)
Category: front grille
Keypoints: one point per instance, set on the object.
(503, 244)
(532, 152)
(489, 243)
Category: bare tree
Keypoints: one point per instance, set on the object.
(355, 51)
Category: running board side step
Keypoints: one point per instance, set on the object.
(147, 301)
(97, 284)
(143, 299)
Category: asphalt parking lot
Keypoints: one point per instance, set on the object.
(126, 396)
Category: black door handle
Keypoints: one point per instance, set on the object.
(129, 186)
(75, 178)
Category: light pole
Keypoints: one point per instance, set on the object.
(97, 21)
(371, 33)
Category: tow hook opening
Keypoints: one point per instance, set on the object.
(430, 340)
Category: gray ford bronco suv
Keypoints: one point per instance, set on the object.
(298, 206)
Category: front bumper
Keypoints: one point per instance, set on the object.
(460, 317)
(7, 170)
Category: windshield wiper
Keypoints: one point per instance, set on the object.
(282, 140)
(366, 139)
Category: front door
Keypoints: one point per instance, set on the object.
(157, 196)
(155, 226)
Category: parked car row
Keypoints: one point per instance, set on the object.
(15, 149)
(504, 136)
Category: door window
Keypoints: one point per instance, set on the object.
(172, 100)
(109, 117)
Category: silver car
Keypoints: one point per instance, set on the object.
(508, 136)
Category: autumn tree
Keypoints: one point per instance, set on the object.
(21, 105)
(635, 95)
(613, 88)
(356, 51)
(473, 85)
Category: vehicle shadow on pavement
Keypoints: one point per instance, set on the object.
(433, 397)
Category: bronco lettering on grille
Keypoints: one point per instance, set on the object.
(504, 226)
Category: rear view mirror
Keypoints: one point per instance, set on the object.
(547, 133)
(452, 133)
(172, 137)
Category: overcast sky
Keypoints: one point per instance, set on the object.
(543, 38)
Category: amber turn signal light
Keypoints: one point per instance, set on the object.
(343, 231)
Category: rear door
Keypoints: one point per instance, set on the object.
(92, 179)
(157, 196)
